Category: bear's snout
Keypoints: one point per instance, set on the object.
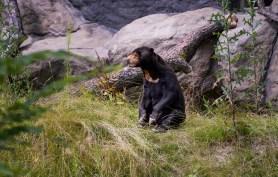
(133, 60)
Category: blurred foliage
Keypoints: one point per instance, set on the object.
(15, 117)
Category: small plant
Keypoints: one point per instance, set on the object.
(228, 74)
(219, 108)
(107, 88)
(252, 51)
(69, 31)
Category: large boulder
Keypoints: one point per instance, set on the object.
(116, 14)
(159, 31)
(49, 17)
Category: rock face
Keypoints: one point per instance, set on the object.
(46, 22)
(159, 31)
(201, 79)
(271, 89)
(53, 17)
(116, 14)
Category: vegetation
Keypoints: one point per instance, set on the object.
(19, 106)
(88, 136)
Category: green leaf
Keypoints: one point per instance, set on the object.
(5, 172)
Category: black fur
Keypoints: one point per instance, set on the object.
(163, 102)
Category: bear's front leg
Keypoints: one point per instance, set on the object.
(152, 121)
(143, 117)
(145, 108)
(154, 117)
(158, 109)
(144, 113)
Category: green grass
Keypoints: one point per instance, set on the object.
(88, 136)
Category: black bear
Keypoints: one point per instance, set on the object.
(163, 102)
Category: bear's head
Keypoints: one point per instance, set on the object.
(141, 57)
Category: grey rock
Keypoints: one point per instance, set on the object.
(200, 81)
(272, 79)
(116, 14)
(50, 17)
(201, 61)
(44, 72)
(159, 31)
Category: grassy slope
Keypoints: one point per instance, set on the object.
(87, 136)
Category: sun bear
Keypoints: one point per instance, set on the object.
(162, 103)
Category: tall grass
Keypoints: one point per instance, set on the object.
(84, 137)
(88, 136)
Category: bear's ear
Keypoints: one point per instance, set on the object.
(151, 50)
(138, 53)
